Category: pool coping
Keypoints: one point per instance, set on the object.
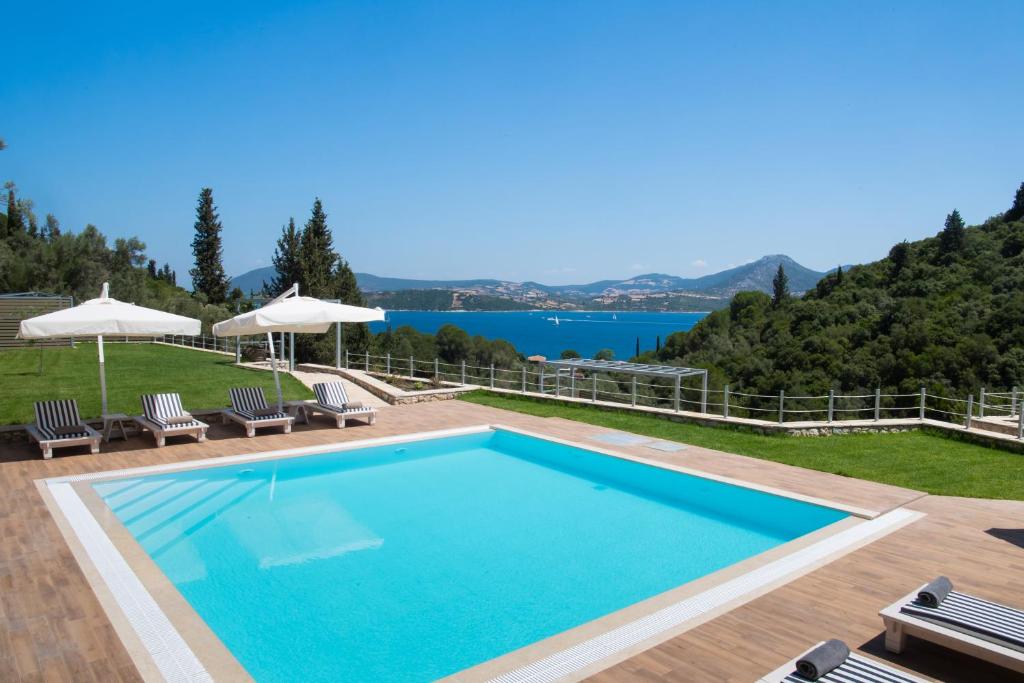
(168, 640)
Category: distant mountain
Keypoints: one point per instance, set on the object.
(376, 283)
(720, 286)
(252, 281)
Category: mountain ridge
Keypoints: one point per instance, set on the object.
(756, 275)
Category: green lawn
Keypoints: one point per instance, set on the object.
(918, 460)
(201, 378)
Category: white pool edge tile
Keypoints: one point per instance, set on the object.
(589, 652)
(173, 657)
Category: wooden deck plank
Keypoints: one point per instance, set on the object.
(56, 630)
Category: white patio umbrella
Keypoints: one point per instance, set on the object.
(293, 313)
(106, 316)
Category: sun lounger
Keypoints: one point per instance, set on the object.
(163, 415)
(331, 399)
(979, 628)
(853, 668)
(249, 408)
(58, 425)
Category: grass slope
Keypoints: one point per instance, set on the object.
(201, 378)
(917, 460)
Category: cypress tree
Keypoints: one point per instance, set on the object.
(1016, 211)
(15, 221)
(839, 275)
(638, 346)
(317, 257)
(953, 235)
(287, 261)
(780, 287)
(657, 344)
(208, 274)
(52, 229)
(151, 269)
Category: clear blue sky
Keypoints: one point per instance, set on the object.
(555, 141)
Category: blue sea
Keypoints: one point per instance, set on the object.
(535, 332)
(411, 562)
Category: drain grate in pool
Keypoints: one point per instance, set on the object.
(667, 446)
(620, 439)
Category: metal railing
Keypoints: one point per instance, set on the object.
(727, 402)
(821, 409)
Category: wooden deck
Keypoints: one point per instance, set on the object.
(54, 628)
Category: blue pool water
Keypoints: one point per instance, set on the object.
(410, 562)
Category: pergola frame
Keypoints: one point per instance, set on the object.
(635, 369)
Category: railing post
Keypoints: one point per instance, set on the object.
(675, 396)
(572, 384)
(412, 366)
(346, 359)
(970, 411)
(593, 389)
(923, 395)
(492, 375)
(782, 402)
(1013, 402)
(387, 363)
(238, 350)
(878, 403)
(463, 372)
(337, 346)
(831, 403)
(558, 383)
(633, 401)
(366, 363)
(437, 368)
(725, 401)
(981, 403)
(524, 379)
(704, 393)
(540, 379)
(1020, 425)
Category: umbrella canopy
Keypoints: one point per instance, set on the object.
(106, 316)
(293, 313)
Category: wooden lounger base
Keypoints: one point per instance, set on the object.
(92, 440)
(341, 418)
(161, 433)
(252, 425)
(899, 625)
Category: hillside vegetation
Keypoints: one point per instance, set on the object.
(945, 312)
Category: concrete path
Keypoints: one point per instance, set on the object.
(354, 391)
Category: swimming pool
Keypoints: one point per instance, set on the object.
(413, 561)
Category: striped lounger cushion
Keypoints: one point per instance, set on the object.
(857, 669)
(332, 395)
(247, 400)
(158, 407)
(974, 616)
(53, 414)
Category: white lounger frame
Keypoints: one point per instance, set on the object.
(899, 625)
(251, 425)
(160, 432)
(92, 440)
(787, 669)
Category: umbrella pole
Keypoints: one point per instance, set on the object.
(103, 376)
(273, 365)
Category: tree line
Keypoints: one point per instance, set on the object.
(945, 313)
